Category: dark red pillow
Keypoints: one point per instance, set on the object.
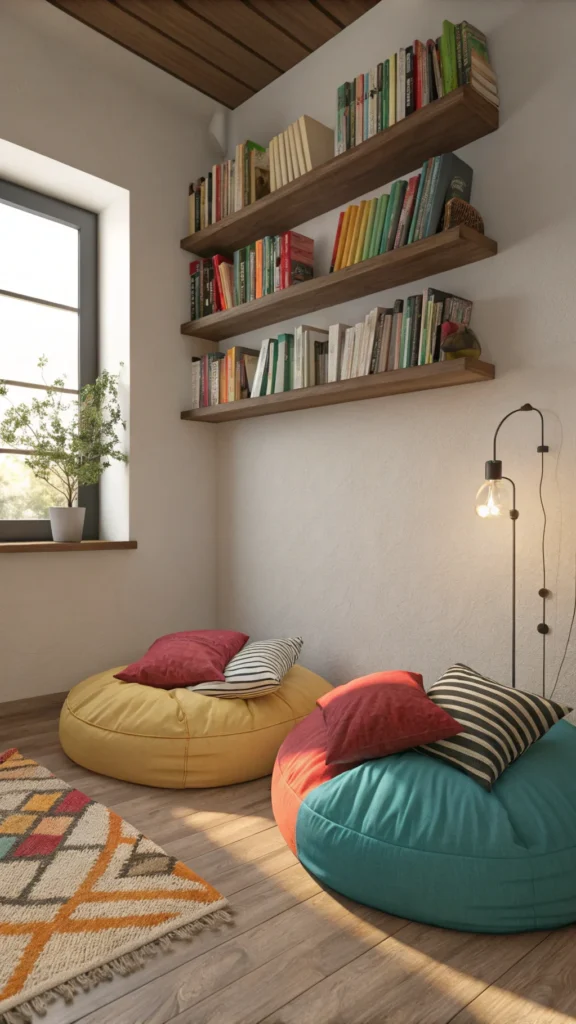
(181, 659)
(381, 714)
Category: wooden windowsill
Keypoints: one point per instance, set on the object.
(18, 547)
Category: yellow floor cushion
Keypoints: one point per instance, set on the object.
(179, 739)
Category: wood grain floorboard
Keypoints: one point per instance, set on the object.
(294, 954)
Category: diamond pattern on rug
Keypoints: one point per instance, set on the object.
(80, 890)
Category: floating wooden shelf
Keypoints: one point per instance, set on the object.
(440, 127)
(449, 249)
(378, 385)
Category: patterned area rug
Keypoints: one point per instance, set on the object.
(83, 895)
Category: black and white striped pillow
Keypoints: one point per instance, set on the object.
(257, 669)
(499, 723)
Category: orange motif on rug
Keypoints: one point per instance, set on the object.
(83, 895)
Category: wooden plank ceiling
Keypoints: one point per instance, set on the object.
(227, 49)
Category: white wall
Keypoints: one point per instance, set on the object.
(74, 96)
(354, 525)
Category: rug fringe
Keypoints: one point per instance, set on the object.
(123, 965)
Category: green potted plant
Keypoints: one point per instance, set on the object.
(71, 440)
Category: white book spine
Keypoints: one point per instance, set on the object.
(298, 358)
(259, 375)
(215, 381)
(383, 362)
(401, 85)
(336, 335)
(239, 178)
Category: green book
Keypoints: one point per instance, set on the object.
(283, 345)
(289, 372)
(386, 94)
(448, 56)
(412, 232)
(386, 225)
(248, 147)
(272, 366)
(369, 228)
(425, 198)
(397, 193)
(381, 208)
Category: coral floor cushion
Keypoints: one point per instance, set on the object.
(414, 837)
(178, 738)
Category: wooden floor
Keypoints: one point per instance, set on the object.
(295, 954)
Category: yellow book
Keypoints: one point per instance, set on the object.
(342, 240)
(356, 255)
(271, 159)
(352, 221)
(392, 91)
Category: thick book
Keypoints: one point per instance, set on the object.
(195, 312)
(297, 169)
(311, 336)
(451, 178)
(317, 141)
(419, 219)
(195, 381)
(473, 40)
(297, 258)
(261, 375)
(281, 377)
(259, 172)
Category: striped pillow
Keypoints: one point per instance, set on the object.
(257, 669)
(499, 723)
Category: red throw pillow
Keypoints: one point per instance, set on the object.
(379, 715)
(181, 659)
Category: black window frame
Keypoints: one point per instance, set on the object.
(87, 224)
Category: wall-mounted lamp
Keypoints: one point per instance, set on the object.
(493, 502)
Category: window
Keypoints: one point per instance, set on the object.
(48, 307)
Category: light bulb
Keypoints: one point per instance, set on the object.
(492, 500)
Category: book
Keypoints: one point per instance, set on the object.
(194, 268)
(460, 76)
(341, 118)
(412, 354)
(451, 177)
(379, 95)
(281, 355)
(366, 107)
(297, 170)
(386, 95)
(448, 56)
(191, 210)
(336, 242)
(259, 168)
(438, 83)
(195, 383)
(393, 73)
(397, 193)
(386, 336)
(401, 84)
(423, 204)
(359, 83)
(317, 141)
(369, 340)
(282, 163)
(272, 367)
(472, 41)
(261, 375)
(272, 160)
(356, 354)
(342, 239)
(363, 221)
(372, 102)
(381, 208)
(398, 315)
(410, 99)
(347, 354)
(297, 258)
(372, 206)
(407, 212)
(336, 338)
(351, 235)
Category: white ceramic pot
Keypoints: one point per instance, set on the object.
(67, 524)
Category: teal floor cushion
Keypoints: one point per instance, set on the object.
(419, 839)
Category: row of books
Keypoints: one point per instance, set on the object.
(229, 187)
(412, 210)
(410, 79)
(255, 171)
(409, 333)
(304, 145)
(261, 268)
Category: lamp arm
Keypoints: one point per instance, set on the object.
(523, 408)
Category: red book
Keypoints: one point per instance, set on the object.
(336, 241)
(219, 290)
(296, 258)
(406, 212)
